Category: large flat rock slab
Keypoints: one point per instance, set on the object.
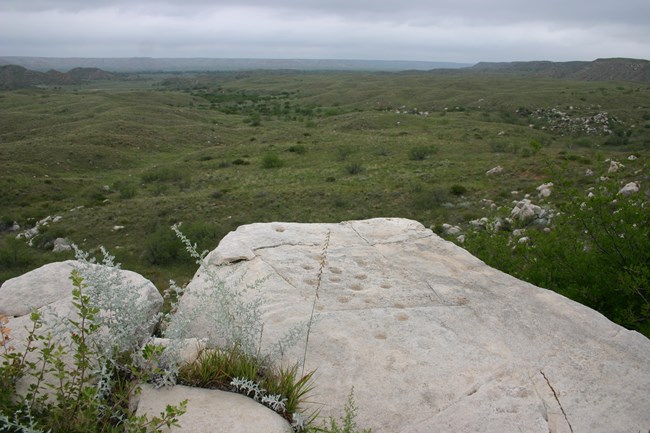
(430, 337)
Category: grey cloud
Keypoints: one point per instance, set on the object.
(452, 30)
(500, 11)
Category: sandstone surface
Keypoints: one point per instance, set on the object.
(211, 410)
(432, 339)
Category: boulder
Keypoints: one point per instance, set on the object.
(450, 230)
(135, 300)
(614, 166)
(544, 190)
(42, 286)
(526, 211)
(61, 245)
(211, 410)
(430, 337)
(495, 170)
(629, 189)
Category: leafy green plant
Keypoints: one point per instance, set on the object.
(535, 146)
(345, 424)
(71, 397)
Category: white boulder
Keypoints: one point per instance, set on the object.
(61, 245)
(430, 337)
(211, 410)
(544, 190)
(128, 304)
(629, 189)
(495, 170)
(450, 230)
(526, 211)
(614, 166)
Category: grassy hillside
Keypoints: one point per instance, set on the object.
(120, 162)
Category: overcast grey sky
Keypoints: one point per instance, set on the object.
(433, 30)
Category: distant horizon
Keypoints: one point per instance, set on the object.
(346, 59)
(134, 64)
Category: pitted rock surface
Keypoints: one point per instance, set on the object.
(431, 338)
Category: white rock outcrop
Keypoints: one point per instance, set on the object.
(431, 338)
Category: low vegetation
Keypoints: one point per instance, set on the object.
(121, 161)
(84, 377)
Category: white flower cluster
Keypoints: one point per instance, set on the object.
(252, 389)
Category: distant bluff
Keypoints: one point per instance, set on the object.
(615, 69)
(18, 77)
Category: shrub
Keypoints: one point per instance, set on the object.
(535, 146)
(458, 190)
(15, 254)
(419, 153)
(597, 253)
(254, 120)
(126, 189)
(272, 160)
(240, 161)
(344, 151)
(164, 248)
(300, 149)
(354, 168)
(167, 173)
